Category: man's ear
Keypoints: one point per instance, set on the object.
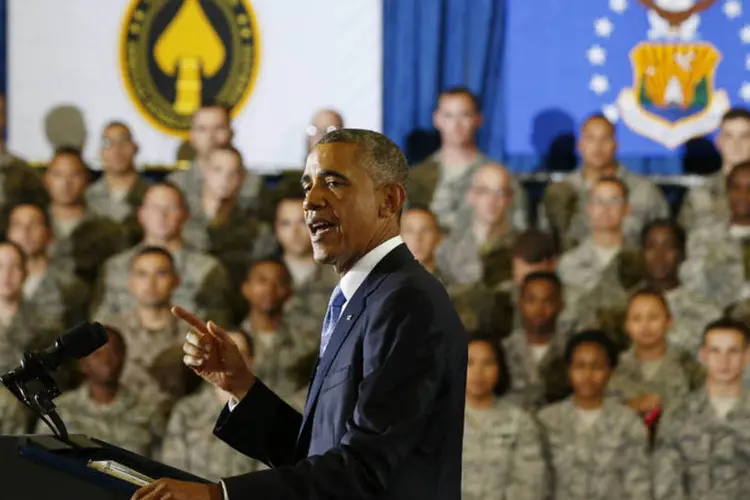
(394, 198)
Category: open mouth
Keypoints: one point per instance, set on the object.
(321, 227)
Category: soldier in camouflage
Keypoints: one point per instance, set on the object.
(211, 128)
(707, 203)
(152, 335)
(480, 250)
(596, 446)
(189, 443)
(58, 295)
(651, 374)
(503, 455)
(83, 240)
(563, 206)
(204, 284)
(703, 450)
(119, 192)
(534, 352)
(441, 181)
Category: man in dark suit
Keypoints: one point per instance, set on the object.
(384, 415)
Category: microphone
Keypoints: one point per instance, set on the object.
(76, 343)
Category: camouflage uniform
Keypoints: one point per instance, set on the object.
(503, 455)
(581, 267)
(28, 330)
(20, 184)
(605, 460)
(476, 307)
(204, 286)
(61, 296)
(92, 242)
(190, 181)
(718, 265)
(14, 418)
(701, 456)
(535, 384)
(305, 310)
(677, 375)
(131, 421)
(562, 208)
(464, 260)
(190, 444)
(705, 204)
(153, 357)
(427, 188)
(277, 358)
(124, 212)
(690, 314)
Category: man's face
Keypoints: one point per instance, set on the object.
(323, 122)
(540, 305)
(210, 129)
(152, 280)
(738, 192)
(483, 370)
(291, 229)
(118, 150)
(104, 365)
(66, 180)
(647, 321)
(725, 355)
(457, 120)
(267, 288)
(662, 253)
(421, 234)
(346, 213)
(12, 272)
(521, 268)
(490, 195)
(224, 174)
(607, 207)
(733, 141)
(589, 371)
(26, 228)
(597, 144)
(162, 215)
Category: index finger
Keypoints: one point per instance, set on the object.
(191, 319)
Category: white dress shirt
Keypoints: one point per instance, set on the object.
(350, 283)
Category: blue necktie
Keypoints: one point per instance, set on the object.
(332, 317)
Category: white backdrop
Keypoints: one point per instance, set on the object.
(314, 53)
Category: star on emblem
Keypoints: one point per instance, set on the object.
(745, 91)
(618, 6)
(603, 27)
(745, 34)
(596, 55)
(599, 84)
(611, 112)
(733, 9)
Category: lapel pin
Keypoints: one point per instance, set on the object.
(348, 317)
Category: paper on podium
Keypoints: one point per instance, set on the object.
(115, 469)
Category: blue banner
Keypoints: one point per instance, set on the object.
(664, 71)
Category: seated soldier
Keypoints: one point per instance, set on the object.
(49, 289)
(14, 417)
(663, 243)
(503, 455)
(480, 250)
(718, 264)
(703, 447)
(189, 443)
(534, 352)
(152, 334)
(118, 193)
(605, 257)
(312, 282)
(278, 347)
(421, 233)
(22, 327)
(105, 409)
(597, 447)
(562, 209)
(652, 374)
(83, 240)
(204, 285)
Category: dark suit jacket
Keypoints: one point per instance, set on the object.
(384, 416)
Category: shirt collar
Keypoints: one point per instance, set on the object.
(353, 278)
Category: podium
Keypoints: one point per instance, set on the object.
(42, 467)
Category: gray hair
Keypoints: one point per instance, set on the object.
(383, 160)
